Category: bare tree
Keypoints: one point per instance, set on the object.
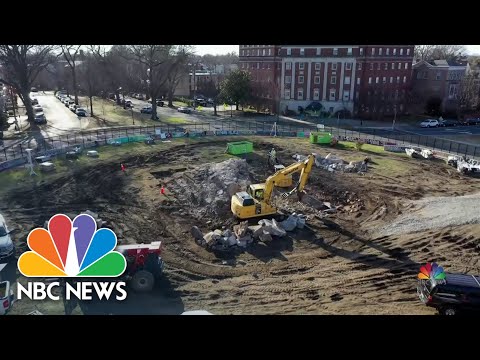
(70, 54)
(157, 62)
(438, 52)
(91, 78)
(468, 94)
(179, 70)
(21, 65)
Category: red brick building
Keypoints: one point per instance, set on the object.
(264, 64)
(366, 80)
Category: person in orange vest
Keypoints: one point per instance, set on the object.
(162, 190)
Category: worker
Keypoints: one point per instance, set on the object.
(123, 168)
(273, 156)
(162, 190)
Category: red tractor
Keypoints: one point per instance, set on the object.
(144, 264)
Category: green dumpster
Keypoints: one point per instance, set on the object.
(240, 147)
(320, 138)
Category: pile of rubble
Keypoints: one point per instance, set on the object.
(209, 187)
(243, 235)
(333, 163)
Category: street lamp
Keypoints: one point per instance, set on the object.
(123, 94)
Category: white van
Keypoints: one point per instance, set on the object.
(7, 249)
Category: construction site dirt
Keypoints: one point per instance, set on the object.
(338, 264)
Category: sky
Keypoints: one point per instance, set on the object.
(223, 49)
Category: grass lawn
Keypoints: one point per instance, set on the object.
(114, 115)
(179, 103)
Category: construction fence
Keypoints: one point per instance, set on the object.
(16, 155)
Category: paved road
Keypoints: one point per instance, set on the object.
(60, 120)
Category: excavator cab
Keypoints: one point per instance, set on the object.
(256, 191)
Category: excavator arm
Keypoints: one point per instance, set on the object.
(305, 167)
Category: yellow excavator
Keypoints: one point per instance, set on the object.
(257, 200)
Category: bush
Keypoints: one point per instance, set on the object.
(359, 144)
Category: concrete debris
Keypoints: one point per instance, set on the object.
(244, 235)
(427, 153)
(272, 227)
(241, 229)
(196, 233)
(299, 157)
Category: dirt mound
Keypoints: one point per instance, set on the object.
(209, 187)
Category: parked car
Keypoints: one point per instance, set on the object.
(456, 293)
(34, 101)
(7, 248)
(429, 123)
(34, 89)
(446, 123)
(184, 109)
(37, 109)
(6, 294)
(73, 107)
(159, 103)
(140, 97)
(65, 100)
(146, 110)
(472, 121)
(40, 118)
(81, 112)
(69, 103)
(128, 103)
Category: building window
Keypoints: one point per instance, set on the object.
(243, 52)
(269, 52)
(268, 66)
(318, 51)
(248, 52)
(335, 51)
(289, 51)
(348, 66)
(332, 94)
(288, 79)
(334, 66)
(287, 94)
(401, 52)
(404, 79)
(258, 65)
(357, 95)
(387, 52)
(359, 66)
(361, 51)
(371, 66)
(438, 76)
(358, 81)
(384, 80)
(279, 52)
(316, 94)
(333, 80)
(378, 66)
(317, 66)
(408, 52)
(394, 52)
(301, 66)
(347, 80)
(377, 79)
(399, 66)
(373, 51)
(263, 52)
(349, 51)
(398, 79)
(288, 66)
(300, 94)
(279, 66)
(346, 95)
(300, 79)
(393, 66)
(258, 52)
(452, 91)
(369, 79)
(391, 79)
(406, 66)
(316, 80)
(380, 51)
(386, 66)
(302, 51)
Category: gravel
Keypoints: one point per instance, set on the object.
(435, 212)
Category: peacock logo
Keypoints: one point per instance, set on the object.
(431, 271)
(72, 249)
